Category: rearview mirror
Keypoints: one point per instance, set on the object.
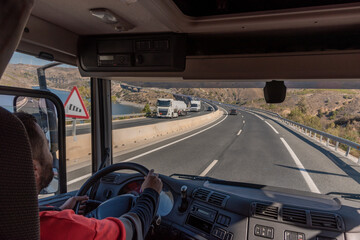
(275, 91)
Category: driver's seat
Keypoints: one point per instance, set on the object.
(19, 214)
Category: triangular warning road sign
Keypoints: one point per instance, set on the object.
(74, 105)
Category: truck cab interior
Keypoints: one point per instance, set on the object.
(268, 44)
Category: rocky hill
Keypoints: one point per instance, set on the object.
(336, 111)
(24, 75)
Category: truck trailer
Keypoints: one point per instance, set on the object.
(170, 108)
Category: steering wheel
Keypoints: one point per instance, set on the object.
(116, 206)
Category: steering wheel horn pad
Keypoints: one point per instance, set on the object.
(117, 205)
(114, 207)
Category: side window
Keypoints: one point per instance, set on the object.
(46, 115)
(62, 80)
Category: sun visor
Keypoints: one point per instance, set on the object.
(132, 53)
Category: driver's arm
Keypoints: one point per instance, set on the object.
(133, 225)
(137, 221)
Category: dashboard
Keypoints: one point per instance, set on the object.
(229, 212)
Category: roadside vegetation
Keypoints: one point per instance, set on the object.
(344, 126)
(335, 111)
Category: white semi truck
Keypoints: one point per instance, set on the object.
(195, 106)
(170, 108)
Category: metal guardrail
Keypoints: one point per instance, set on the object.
(314, 132)
(210, 103)
(129, 115)
(307, 130)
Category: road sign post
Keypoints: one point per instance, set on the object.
(75, 108)
(74, 129)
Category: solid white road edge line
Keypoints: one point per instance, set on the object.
(257, 116)
(172, 143)
(208, 168)
(301, 168)
(239, 132)
(78, 179)
(272, 127)
(151, 151)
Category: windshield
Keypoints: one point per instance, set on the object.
(162, 103)
(247, 140)
(310, 142)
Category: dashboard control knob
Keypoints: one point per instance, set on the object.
(183, 191)
(184, 202)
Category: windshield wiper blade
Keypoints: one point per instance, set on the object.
(346, 195)
(218, 181)
(191, 177)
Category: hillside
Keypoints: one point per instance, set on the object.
(335, 111)
(24, 75)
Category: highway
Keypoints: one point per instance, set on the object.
(118, 124)
(250, 148)
(33, 106)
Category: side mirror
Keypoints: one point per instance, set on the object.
(48, 110)
(45, 113)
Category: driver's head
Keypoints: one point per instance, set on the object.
(42, 158)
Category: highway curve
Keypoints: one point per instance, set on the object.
(248, 148)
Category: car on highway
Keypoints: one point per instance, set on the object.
(287, 167)
(233, 112)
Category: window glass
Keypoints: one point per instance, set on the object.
(235, 135)
(60, 80)
(46, 116)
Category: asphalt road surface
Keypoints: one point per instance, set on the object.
(85, 129)
(248, 148)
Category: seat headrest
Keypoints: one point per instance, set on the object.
(19, 214)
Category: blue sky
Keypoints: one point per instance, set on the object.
(27, 59)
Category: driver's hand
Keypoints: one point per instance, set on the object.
(153, 181)
(70, 203)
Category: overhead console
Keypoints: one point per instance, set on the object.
(132, 53)
(174, 57)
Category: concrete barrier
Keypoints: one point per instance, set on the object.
(134, 137)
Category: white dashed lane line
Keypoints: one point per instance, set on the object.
(208, 168)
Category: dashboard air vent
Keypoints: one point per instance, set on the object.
(217, 199)
(108, 178)
(266, 210)
(201, 194)
(325, 220)
(294, 215)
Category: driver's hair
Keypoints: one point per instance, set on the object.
(29, 122)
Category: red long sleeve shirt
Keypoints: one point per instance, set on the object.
(67, 225)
